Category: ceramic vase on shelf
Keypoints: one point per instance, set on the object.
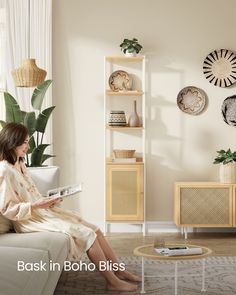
(134, 120)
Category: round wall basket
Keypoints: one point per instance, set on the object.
(228, 110)
(191, 100)
(219, 67)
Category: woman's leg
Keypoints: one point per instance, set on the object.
(96, 254)
(110, 255)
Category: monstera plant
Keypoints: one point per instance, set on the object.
(36, 123)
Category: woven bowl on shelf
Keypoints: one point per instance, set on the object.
(123, 153)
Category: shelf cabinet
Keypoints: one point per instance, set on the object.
(125, 181)
(124, 192)
(205, 204)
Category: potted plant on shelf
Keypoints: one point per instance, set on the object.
(227, 161)
(130, 47)
(36, 123)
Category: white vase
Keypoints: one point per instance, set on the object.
(228, 172)
(45, 178)
(134, 120)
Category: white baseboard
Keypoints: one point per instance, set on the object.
(158, 227)
(151, 227)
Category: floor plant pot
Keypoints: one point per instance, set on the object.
(45, 178)
(228, 172)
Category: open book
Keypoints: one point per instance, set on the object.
(179, 251)
(65, 191)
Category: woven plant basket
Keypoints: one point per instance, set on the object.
(228, 173)
(28, 75)
(123, 153)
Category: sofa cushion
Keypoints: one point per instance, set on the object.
(5, 224)
(52, 242)
(13, 281)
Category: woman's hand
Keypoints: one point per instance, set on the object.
(45, 203)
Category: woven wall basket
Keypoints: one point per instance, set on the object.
(228, 173)
(28, 75)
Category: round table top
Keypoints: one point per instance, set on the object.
(148, 251)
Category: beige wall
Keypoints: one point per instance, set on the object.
(176, 36)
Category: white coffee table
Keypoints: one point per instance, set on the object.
(148, 252)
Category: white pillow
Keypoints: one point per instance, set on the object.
(5, 225)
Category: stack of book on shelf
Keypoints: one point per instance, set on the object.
(179, 250)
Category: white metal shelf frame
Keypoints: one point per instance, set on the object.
(109, 61)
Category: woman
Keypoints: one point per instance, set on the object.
(21, 202)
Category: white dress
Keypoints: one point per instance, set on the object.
(18, 191)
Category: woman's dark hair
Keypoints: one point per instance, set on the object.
(11, 136)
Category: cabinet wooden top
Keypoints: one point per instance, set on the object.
(202, 183)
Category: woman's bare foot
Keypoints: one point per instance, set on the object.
(120, 285)
(126, 275)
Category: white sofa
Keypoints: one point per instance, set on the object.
(37, 247)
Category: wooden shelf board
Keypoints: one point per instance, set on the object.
(125, 128)
(122, 93)
(139, 161)
(126, 221)
(122, 58)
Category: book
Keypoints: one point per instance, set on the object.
(179, 251)
(65, 191)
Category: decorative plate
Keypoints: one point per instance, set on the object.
(219, 67)
(191, 100)
(228, 110)
(120, 81)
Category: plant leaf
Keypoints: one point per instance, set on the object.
(42, 119)
(45, 157)
(37, 155)
(31, 144)
(30, 122)
(39, 93)
(13, 111)
(2, 123)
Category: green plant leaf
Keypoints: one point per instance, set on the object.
(37, 155)
(31, 144)
(42, 119)
(45, 157)
(39, 93)
(2, 123)
(13, 111)
(30, 122)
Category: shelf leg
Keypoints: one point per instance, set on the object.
(144, 229)
(185, 233)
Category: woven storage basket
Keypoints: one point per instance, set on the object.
(28, 75)
(123, 153)
(228, 173)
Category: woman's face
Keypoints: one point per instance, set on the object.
(21, 150)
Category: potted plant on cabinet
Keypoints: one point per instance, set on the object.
(227, 161)
(36, 123)
(130, 47)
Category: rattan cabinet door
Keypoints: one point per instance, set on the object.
(204, 206)
(234, 205)
(124, 193)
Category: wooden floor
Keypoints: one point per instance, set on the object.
(221, 244)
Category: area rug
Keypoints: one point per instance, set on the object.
(220, 278)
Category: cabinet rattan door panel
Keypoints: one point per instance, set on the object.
(234, 205)
(205, 206)
(124, 193)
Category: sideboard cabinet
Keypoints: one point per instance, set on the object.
(204, 204)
